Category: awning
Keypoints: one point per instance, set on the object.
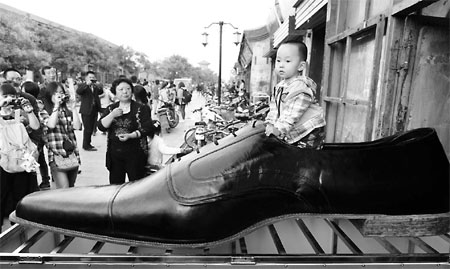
(308, 9)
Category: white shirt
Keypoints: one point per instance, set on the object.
(156, 149)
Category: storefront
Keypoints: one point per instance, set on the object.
(381, 66)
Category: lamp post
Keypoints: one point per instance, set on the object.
(205, 42)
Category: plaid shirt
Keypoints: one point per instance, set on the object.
(294, 110)
(54, 137)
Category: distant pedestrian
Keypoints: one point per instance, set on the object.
(106, 98)
(157, 149)
(140, 95)
(49, 74)
(89, 108)
(33, 89)
(155, 98)
(181, 99)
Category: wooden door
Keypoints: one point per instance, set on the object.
(429, 103)
(351, 84)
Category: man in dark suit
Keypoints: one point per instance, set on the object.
(90, 106)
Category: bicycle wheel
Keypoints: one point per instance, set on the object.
(174, 119)
(189, 138)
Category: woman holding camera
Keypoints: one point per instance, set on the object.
(15, 185)
(59, 135)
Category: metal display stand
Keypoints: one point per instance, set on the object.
(309, 242)
(301, 243)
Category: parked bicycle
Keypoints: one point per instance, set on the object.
(257, 111)
(203, 134)
(168, 117)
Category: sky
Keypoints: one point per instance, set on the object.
(160, 28)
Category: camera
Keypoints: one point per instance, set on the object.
(15, 102)
(64, 97)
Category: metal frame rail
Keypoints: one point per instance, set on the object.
(18, 247)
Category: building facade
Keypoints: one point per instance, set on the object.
(382, 66)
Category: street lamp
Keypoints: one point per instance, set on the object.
(205, 42)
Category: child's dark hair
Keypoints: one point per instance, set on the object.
(301, 47)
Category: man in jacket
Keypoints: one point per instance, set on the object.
(90, 106)
(49, 75)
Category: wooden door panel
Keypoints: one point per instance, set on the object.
(354, 124)
(360, 71)
(430, 89)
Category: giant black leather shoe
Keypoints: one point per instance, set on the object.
(248, 181)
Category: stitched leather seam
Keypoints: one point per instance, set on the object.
(200, 199)
(213, 152)
(110, 205)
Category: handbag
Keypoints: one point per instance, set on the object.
(64, 164)
(68, 146)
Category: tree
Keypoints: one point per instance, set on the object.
(200, 75)
(176, 66)
(142, 61)
(18, 47)
(124, 58)
(28, 44)
(68, 56)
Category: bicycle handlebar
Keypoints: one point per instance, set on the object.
(197, 110)
(231, 123)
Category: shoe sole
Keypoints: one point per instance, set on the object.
(414, 227)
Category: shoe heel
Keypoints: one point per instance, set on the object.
(410, 225)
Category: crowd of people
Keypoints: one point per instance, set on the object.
(52, 111)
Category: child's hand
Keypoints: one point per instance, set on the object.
(186, 151)
(271, 130)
